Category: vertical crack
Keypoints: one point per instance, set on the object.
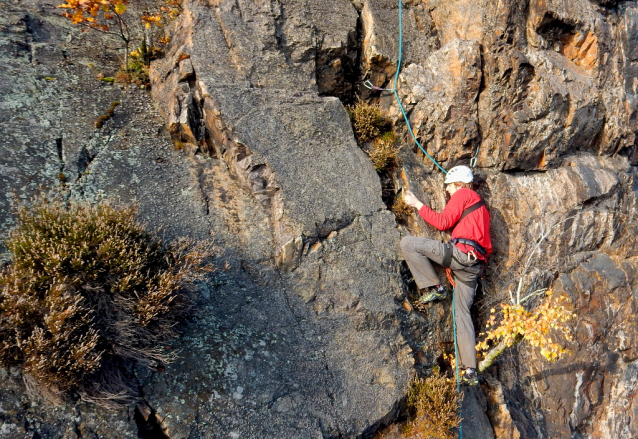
(149, 425)
(280, 37)
(60, 150)
(201, 179)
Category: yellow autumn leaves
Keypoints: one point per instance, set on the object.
(541, 327)
(88, 11)
(97, 13)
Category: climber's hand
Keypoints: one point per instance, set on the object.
(411, 200)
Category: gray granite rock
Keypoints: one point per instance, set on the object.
(306, 333)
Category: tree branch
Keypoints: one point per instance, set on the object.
(497, 350)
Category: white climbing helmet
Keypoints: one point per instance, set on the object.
(459, 174)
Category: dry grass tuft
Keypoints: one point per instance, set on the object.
(401, 210)
(434, 406)
(88, 295)
(384, 154)
(367, 121)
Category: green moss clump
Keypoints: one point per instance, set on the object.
(89, 294)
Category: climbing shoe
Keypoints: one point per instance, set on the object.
(469, 377)
(431, 294)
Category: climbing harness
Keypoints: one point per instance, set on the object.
(447, 255)
(475, 245)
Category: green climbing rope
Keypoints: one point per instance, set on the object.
(456, 358)
(396, 93)
(473, 162)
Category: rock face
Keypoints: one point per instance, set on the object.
(549, 78)
(304, 335)
(299, 337)
(323, 204)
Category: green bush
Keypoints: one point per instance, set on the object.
(88, 295)
(434, 405)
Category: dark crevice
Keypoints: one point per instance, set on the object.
(201, 179)
(76, 430)
(148, 424)
(522, 171)
(554, 30)
(29, 37)
(280, 37)
(84, 160)
(482, 87)
(398, 413)
(58, 144)
(337, 70)
(323, 231)
(609, 6)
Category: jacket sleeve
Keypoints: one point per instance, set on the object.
(450, 215)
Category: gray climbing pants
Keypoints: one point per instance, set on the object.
(418, 253)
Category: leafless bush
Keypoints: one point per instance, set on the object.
(90, 293)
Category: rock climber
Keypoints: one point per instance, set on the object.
(466, 255)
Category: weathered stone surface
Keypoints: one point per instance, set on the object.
(289, 149)
(439, 94)
(295, 152)
(305, 335)
(310, 353)
(380, 38)
(547, 79)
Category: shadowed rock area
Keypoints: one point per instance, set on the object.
(244, 139)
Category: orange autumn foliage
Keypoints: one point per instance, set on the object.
(95, 14)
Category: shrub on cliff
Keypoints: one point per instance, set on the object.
(88, 295)
(433, 403)
(368, 122)
(384, 154)
(112, 17)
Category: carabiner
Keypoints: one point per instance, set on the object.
(473, 162)
(367, 84)
(471, 255)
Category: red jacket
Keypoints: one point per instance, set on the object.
(475, 226)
